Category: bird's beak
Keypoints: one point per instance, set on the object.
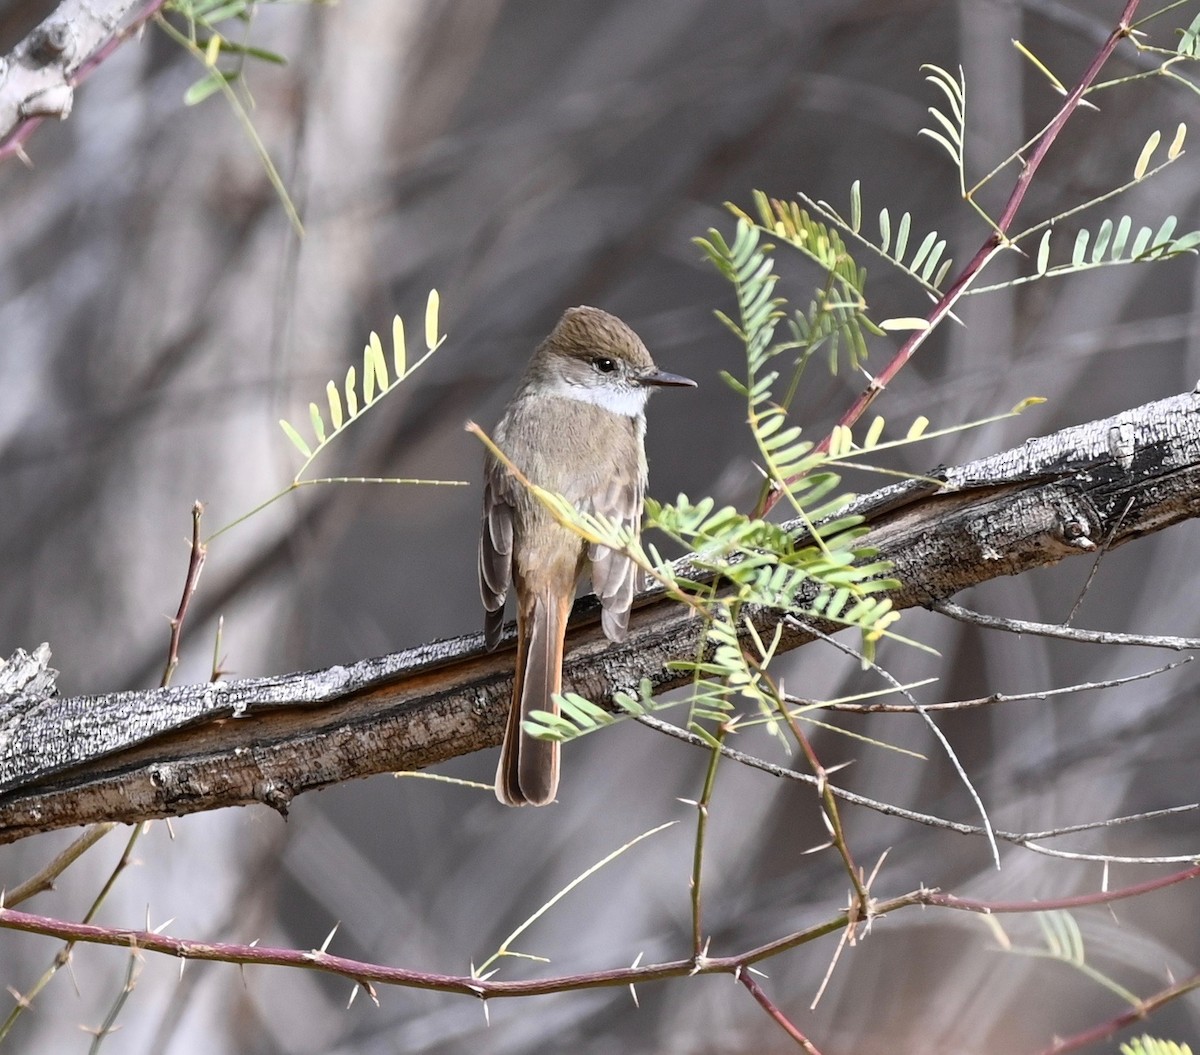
(660, 378)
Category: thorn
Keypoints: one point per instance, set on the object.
(329, 937)
(23, 1002)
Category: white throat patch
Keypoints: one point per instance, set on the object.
(628, 401)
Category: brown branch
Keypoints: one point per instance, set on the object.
(768, 1005)
(199, 552)
(134, 756)
(1139, 1012)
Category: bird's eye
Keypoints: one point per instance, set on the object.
(604, 364)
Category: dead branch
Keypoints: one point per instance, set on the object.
(137, 755)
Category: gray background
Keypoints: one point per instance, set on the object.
(158, 316)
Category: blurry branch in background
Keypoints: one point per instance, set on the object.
(208, 44)
(39, 76)
(32, 681)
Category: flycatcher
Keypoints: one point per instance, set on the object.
(576, 426)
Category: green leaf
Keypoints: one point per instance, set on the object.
(219, 14)
(207, 85)
(904, 323)
(902, 233)
(1121, 236)
(399, 351)
(318, 422)
(368, 374)
(1189, 40)
(1079, 252)
(431, 319)
(378, 362)
(335, 405)
(351, 394)
(1043, 253)
(1176, 147)
(1140, 242)
(1187, 243)
(296, 438)
(1143, 161)
(1103, 237)
(917, 428)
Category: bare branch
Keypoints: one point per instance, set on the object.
(1064, 633)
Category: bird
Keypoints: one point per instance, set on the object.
(575, 426)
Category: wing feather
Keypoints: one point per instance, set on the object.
(614, 576)
(495, 548)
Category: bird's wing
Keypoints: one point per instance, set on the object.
(614, 576)
(495, 546)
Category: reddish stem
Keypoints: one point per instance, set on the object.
(363, 972)
(747, 979)
(942, 308)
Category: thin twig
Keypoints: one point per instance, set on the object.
(929, 722)
(861, 909)
(1026, 839)
(710, 779)
(1142, 1010)
(196, 559)
(768, 1005)
(1100, 555)
(44, 880)
(1066, 633)
(981, 701)
(63, 956)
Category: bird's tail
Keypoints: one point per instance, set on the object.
(528, 771)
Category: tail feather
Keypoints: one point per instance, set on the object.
(528, 771)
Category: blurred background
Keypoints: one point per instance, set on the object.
(158, 315)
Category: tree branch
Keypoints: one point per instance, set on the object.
(38, 77)
(136, 755)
